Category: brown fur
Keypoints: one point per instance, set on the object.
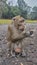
(15, 33)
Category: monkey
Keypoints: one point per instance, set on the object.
(16, 33)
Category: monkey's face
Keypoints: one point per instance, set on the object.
(21, 24)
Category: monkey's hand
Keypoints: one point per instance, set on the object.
(31, 32)
(28, 34)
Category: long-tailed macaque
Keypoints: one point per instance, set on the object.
(16, 33)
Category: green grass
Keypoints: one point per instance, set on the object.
(7, 21)
(31, 21)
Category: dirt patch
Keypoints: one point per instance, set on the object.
(30, 48)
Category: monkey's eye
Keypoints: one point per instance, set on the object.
(22, 21)
(19, 24)
(14, 18)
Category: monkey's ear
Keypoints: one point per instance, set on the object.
(14, 18)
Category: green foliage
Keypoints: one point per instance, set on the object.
(23, 8)
(2, 6)
(10, 12)
(7, 11)
(15, 11)
(33, 14)
(35, 9)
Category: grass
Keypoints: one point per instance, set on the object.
(7, 21)
(31, 21)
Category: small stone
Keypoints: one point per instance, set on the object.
(15, 63)
(29, 63)
(1, 60)
(29, 51)
(1, 52)
(17, 60)
(29, 59)
(34, 60)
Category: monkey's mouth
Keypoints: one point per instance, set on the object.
(21, 28)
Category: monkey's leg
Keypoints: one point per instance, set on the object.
(23, 53)
(12, 50)
(9, 48)
(18, 48)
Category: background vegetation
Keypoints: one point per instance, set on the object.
(8, 10)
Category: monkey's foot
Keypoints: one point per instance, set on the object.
(23, 54)
(13, 55)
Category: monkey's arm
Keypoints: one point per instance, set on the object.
(9, 33)
(12, 35)
(18, 37)
(28, 34)
(22, 35)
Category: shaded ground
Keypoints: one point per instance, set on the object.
(30, 48)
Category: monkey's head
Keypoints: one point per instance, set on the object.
(19, 22)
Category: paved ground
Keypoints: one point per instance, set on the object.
(30, 48)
